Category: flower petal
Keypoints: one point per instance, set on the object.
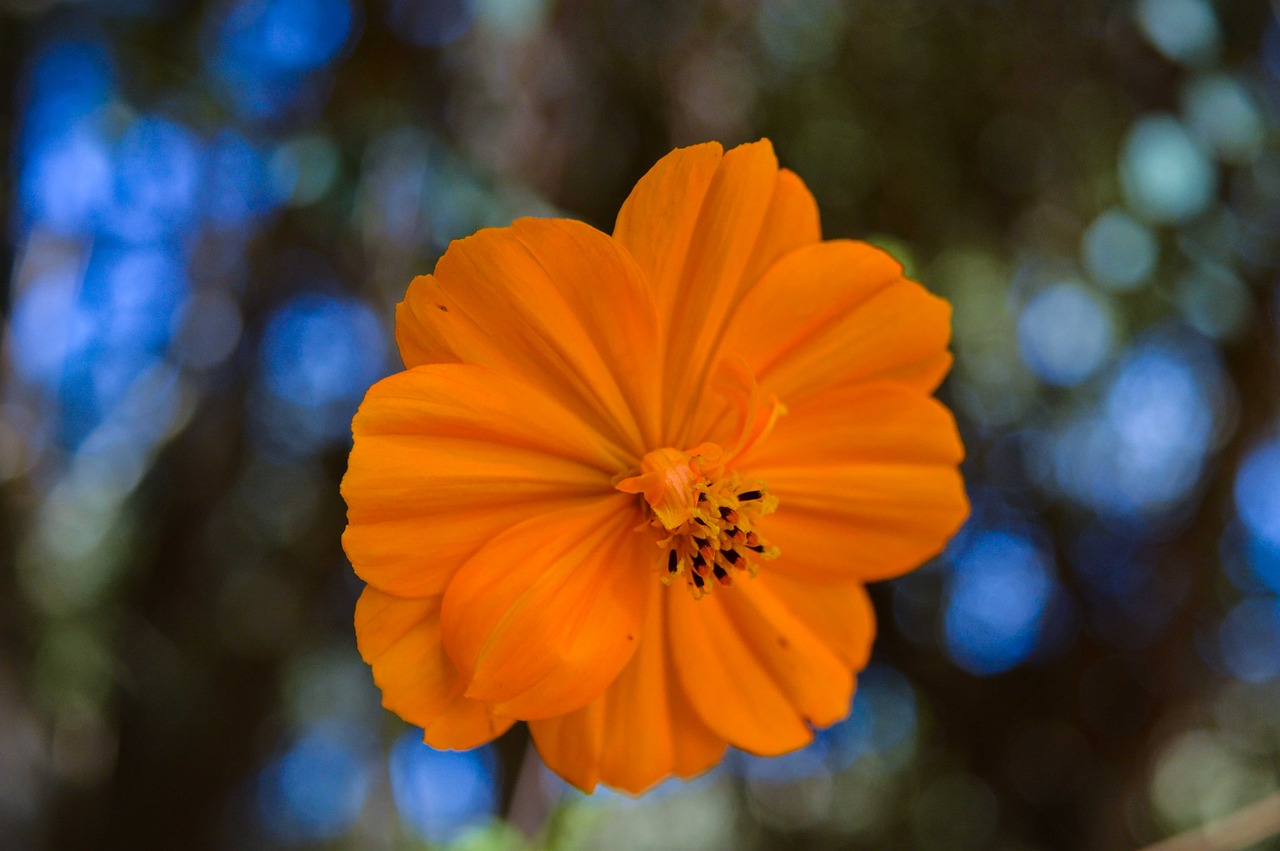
(723, 244)
(756, 673)
(640, 731)
(791, 222)
(839, 613)
(448, 455)
(839, 312)
(873, 423)
(554, 301)
(866, 481)
(465, 724)
(704, 226)
(544, 617)
(400, 639)
(657, 220)
(570, 744)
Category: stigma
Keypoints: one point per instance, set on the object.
(705, 516)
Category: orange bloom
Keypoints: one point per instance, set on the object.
(629, 488)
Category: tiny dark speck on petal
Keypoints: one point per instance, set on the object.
(442, 307)
(631, 638)
(783, 643)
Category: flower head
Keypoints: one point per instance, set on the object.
(629, 488)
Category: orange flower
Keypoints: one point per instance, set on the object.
(629, 488)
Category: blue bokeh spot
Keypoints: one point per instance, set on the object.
(441, 794)
(315, 790)
(999, 590)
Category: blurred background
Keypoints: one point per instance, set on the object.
(212, 207)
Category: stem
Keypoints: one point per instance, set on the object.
(1233, 832)
(530, 804)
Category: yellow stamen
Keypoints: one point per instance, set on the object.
(706, 516)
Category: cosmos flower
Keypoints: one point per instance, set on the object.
(629, 488)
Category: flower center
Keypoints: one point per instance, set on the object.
(706, 516)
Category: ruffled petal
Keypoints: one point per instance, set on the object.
(839, 312)
(556, 302)
(640, 731)
(754, 670)
(545, 616)
(867, 483)
(400, 640)
(448, 455)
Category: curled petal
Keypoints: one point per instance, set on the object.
(733, 413)
(400, 639)
(543, 618)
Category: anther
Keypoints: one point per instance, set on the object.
(705, 518)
